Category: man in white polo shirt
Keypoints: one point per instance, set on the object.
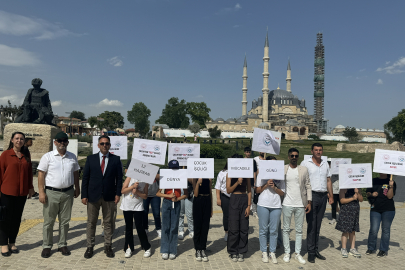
(321, 184)
(58, 171)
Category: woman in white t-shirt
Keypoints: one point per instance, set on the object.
(132, 205)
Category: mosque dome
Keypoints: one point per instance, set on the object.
(339, 126)
(264, 125)
(252, 115)
(229, 120)
(219, 119)
(292, 122)
(279, 93)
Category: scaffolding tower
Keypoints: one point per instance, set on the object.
(319, 84)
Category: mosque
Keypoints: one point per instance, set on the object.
(278, 109)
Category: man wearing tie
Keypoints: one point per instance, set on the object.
(101, 187)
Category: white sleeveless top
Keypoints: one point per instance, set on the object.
(131, 202)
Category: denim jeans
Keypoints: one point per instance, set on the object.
(170, 227)
(186, 208)
(375, 219)
(155, 204)
(299, 214)
(269, 220)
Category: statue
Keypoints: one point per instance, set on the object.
(36, 108)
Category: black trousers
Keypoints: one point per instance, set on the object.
(336, 201)
(10, 225)
(225, 210)
(314, 220)
(201, 219)
(238, 224)
(129, 217)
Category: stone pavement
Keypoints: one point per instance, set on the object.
(30, 240)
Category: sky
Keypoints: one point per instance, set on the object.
(95, 56)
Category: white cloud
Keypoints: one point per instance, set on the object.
(380, 81)
(107, 102)
(361, 70)
(387, 62)
(230, 9)
(115, 61)
(14, 99)
(17, 57)
(396, 68)
(18, 25)
(56, 103)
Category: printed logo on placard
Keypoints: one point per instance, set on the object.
(401, 158)
(157, 148)
(363, 170)
(349, 170)
(117, 145)
(190, 150)
(337, 163)
(267, 140)
(143, 146)
(386, 157)
(177, 149)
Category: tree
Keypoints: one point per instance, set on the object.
(214, 132)
(194, 128)
(395, 128)
(139, 116)
(112, 120)
(174, 114)
(199, 112)
(313, 137)
(78, 115)
(92, 120)
(351, 134)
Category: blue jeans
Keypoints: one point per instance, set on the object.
(155, 204)
(186, 208)
(170, 227)
(375, 219)
(269, 221)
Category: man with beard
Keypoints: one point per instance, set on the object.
(58, 171)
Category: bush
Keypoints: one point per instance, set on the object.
(85, 151)
(211, 151)
(313, 137)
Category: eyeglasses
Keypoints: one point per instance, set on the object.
(294, 156)
(105, 143)
(62, 141)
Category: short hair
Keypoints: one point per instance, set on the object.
(293, 150)
(316, 145)
(271, 158)
(104, 137)
(247, 148)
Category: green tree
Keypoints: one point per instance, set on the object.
(112, 120)
(313, 137)
(139, 117)
(214, 132)
(194, 128)
(199, 112)
(92, 120)
(395, 128)
(78, 115)
(351, 134)
(174, 114)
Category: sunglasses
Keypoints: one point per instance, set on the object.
(294, 156)
(62, 141)
(105, 143)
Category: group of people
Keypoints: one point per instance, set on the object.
(304, 192)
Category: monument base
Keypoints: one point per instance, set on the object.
(42, 137)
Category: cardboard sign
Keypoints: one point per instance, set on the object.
(72, 147)
(266, 141)
(149, 151)
(355, 176)
(200, 168)
(173, 179)
(183, 151)
(389, 162)
(119, 146)
(271, 169)
(142, 171)
(240, 167)
(336, 162)
(325, 158)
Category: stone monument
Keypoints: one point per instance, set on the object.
(35, 121)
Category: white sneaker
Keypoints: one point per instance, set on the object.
(128, 253)
(204, 256)
(147, 253)
(165, 256)
(159, 232)
(273, 257)
(198, 256)
(147, 231)
(286, 258)
(299, 258)
(265, 257)
(226, 237)
(180, 235)
(240, 258)
(191, 235)
(172, 256)
(333, 221)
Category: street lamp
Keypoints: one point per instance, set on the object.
(71, 122)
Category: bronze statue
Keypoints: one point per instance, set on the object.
(37, 107)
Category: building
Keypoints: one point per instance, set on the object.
(364, 132)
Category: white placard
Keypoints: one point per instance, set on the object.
(149, 151)
(183, 151)
(173, 179)
(336, 162)
(389, 162)
(72, 147)
(240, 167)
(200, 168)
(266, 141)
(325, 158)
(142, 171)
(355, 176)
(119, 146)
(271, 169)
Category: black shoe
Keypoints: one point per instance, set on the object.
(89, 253)
(46, 253)
(319, 256)
(381, 254)
(65, 251)
(109, 252)
(6, 254)
(311, 257)
(15, 251)
(368, 252)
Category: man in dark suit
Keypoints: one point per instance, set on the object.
(101, 186)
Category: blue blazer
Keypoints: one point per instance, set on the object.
(96, 185)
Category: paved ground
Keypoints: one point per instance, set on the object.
(30, 241)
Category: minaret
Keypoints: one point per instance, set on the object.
(265, 90)
(244, 88)
(288, 88)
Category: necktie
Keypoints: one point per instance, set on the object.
(103, 165)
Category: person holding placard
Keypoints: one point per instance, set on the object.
(202, 213)
(381, 199)
(170, 217)
(319, 175)
(336, 202)
(187, 210)
(223, 198)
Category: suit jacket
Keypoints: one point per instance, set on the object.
(96, 185)
(303, 181)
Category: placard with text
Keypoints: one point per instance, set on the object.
(119, 146)
(142, 171)
(200, 168)
(240, 167)
(389, 162)
(266, 141)
(336, 162)
(355, 176)
(183, 151)
(271, 169)
(172, 179)
(149, 151)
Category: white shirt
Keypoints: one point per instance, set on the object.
(257, 161)
(132, 202)
(221, 182)
(59, 169)
(317, 174)
(107, 157)
(269, 198)
(293, 194)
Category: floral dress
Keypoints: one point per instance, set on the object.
(349, 215)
